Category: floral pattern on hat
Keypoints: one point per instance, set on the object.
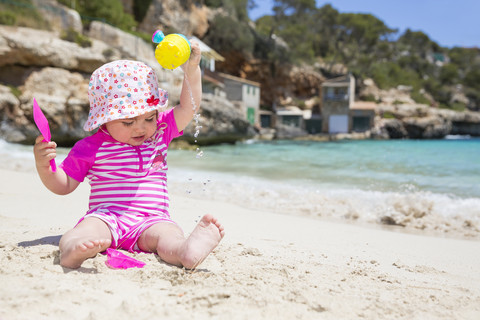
(123, 89)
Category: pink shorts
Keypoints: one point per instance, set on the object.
(126, 227)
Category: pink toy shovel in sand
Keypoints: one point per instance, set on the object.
(42, 125)
(117, 260)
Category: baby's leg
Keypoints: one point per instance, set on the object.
(168, 241)
(88, 238)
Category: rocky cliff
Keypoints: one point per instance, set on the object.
(37, 63)
(417, 121)
(399, 117)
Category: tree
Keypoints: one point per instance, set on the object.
(111, 11)
(472, 78)
(417, 43)
(292, 22)
(361, 32)
(449, 74)
(227, 34)
(325, 31)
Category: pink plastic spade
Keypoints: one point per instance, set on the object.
(42, 124)
(117, 260)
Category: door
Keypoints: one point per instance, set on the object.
(251, 115)
(338, 123)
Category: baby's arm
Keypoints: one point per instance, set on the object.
(184, 112)
(58, 182)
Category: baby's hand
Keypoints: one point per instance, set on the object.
(196, 53)
(195, 56)
(44, 152)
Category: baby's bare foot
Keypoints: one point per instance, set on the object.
(203, 239)
(73, 253)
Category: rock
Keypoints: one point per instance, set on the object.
(266, 134)
(187, 16)
(65, 104)
(427, 127)
(39, 48)
(220, 121)
(129, 46)
(12, 117)
(401, 94)
(419, 121)
(395, 129)
(468, 123)
(128, 6)
(305, 82)
(59, 17)
(288, 132)
(379, 132)
(64, 101)
(56, 73)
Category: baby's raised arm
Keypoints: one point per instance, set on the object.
(192, 81)
(58, 182)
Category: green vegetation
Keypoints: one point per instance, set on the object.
(228, 33)
(298, 32)
(388, 115)
(108, 53)
(112, 12)
(21, 13)
(370, 98)
(300, 104)
(24, 13)
(8, 18)
(231, 32)
(458, 106)
(140, 9)
(73, 36)
(109, 11)
(15, 91)
(419, 98)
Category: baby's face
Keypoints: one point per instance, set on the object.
(133, 131)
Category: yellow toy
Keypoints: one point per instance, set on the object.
(172, 50)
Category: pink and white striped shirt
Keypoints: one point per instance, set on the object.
(125, 178)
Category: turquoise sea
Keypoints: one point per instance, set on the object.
(423, 184)
(441, 166)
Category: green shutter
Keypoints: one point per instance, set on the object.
(251, 115)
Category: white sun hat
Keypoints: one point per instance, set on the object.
(123, 89)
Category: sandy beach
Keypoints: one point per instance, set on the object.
(269, 266)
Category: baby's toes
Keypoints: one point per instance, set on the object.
(90, 244)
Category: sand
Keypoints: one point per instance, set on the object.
(268, 266)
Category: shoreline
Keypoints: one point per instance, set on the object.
(403, 209)
(269, 265)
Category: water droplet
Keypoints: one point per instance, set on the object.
(196, 116)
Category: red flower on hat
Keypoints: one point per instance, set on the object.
(152, 101)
